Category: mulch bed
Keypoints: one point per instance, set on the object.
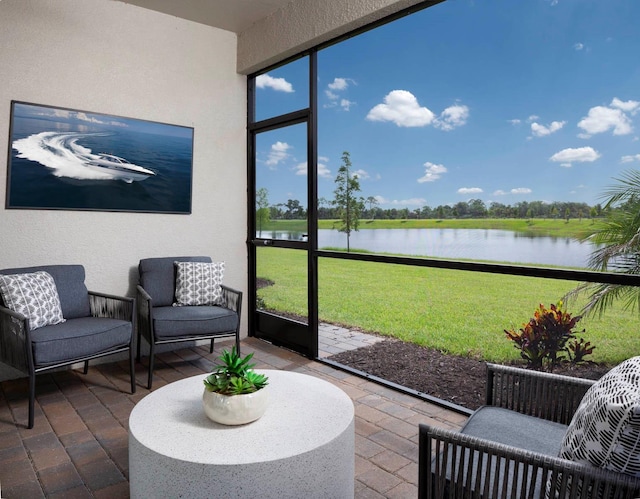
(460, 380)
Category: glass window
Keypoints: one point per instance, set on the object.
(281, 183)
(283, 90)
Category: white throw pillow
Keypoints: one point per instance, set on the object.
(605, 430)
(199, 283)
(33, 295)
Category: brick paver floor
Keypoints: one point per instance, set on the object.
(79, 445)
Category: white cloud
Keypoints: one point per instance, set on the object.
(331, 95)
(521, 190)
(533, 117)
(432, 173)
(630, 158)
(601, 119)
(539, 130)
(361, 174)
(278, 84)
(470, 190)
(402, 108)
(278, 153)
(339, 84)
(301, 168)
(346, 104)
(409, 202)
(452, 117)
(499, 192)
(515, 121)
(578, 46)
(630, 106)
(323, 171)
(577, 155)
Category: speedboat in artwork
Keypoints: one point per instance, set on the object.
(120, 168)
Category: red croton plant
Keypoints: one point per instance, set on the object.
(548, 335)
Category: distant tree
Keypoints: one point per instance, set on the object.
(294, 210)
(348, 204)
(263, 213)
(372, 202)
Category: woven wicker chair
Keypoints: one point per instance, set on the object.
(161, 323)
(534, 409)
(96, 325)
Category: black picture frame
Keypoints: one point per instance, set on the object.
(68, 159)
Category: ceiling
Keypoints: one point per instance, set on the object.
(231, 15)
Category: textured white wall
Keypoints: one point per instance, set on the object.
(306, 23)
(114, 58)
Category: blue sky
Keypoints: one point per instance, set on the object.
(498, 100)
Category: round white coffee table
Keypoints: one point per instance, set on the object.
(302, 447)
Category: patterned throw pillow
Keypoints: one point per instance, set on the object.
(33, 295)
(199, 283)
(605, 430)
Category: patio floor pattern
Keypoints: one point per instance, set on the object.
(78, 447)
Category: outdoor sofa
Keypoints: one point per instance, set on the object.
(540, 435)
(48, 319)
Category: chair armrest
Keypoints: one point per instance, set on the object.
(502, 471)
(111, 306)
(145, 306)
(544, 395)
(232, 299)
(15, 339)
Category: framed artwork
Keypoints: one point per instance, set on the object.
(66, 159)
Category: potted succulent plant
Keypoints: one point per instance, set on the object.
(234, 393)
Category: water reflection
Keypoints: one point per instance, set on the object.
(477, 244)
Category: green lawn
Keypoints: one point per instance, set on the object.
(458, 312)
(546, 227)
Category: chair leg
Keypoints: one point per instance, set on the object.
(132, 370)
(238, 343)
(138, 353)
(86, 366)
(32, 398)
(150, 378)
(211, 347)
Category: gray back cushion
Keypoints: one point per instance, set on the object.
(69, 279)
(158, 277)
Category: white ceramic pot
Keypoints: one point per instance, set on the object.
(235, 409)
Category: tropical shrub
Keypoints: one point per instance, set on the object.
(548, 336)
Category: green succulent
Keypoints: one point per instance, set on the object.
(235, 376)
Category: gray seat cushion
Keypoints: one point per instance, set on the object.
(69, 279)
(176, 322)
(517, 430)
(158, 277)
(77, 338)
(509, 428)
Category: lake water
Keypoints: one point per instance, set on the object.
(475, 244)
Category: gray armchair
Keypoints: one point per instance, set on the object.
(95, 325)
(159, 322)
(509, 448)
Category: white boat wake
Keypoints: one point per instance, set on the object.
(62, 153)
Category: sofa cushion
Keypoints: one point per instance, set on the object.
(33, 295)
(176, 322)
(605, 429)
(199, 283)
(69, 279)
(158, 277)
(77, 338)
